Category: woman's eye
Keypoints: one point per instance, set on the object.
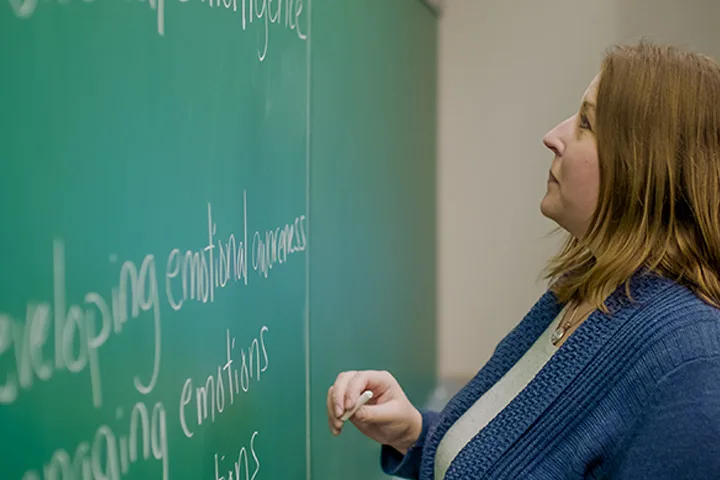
(584, 122)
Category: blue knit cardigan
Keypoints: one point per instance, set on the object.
(633, 394)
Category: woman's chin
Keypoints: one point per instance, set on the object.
(548, 206)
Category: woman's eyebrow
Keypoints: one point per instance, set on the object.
(588, 105)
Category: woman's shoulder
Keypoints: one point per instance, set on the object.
(673, 327)
(677, 307)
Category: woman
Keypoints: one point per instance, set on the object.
(615, 371)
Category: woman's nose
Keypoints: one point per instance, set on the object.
(552, 142)
(553, 139)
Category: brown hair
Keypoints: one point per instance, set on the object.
(658, 140)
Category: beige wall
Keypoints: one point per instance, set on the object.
(509, 71)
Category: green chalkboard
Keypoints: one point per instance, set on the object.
(209, 208)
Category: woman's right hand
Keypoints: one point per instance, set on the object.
(388, 418)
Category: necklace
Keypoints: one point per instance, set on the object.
(563, 327)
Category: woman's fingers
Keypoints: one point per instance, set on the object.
(382, 384)
(333, 422)
(339, 390)
(348, 388)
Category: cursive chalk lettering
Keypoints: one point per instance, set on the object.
(219, 390)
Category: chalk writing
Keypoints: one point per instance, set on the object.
(222, 386)
(240, 468)
(196, 275)
(274, 245)
(79, 330)
(282, 13)
(203, 271)
(111, 453)
(68, 334)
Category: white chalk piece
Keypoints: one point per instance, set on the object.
(364, 398)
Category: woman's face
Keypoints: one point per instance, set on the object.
(574, 178)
